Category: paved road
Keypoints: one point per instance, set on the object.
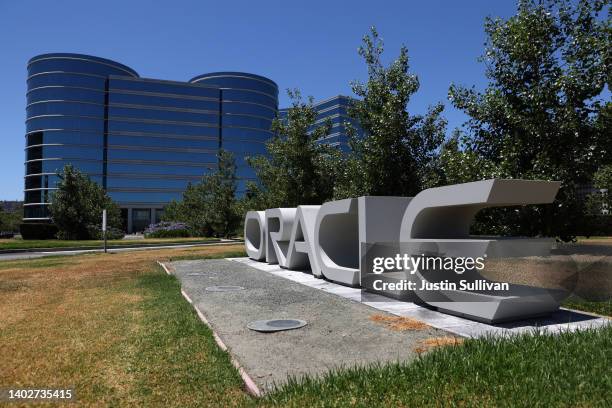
(30, 255)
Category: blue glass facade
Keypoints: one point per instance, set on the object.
(334, 109)
(144, 140)
(248, 105)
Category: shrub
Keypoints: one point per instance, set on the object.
(95, 232)
(38, 231)
(167, 230)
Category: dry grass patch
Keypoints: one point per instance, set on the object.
(435, 342)
(115, 327)
(399, 323)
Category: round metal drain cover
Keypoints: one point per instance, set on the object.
(224, 288)
(275, 325)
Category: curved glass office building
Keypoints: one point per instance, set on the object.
(248, 105)
(142, 139)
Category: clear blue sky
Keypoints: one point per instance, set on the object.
(309, 45)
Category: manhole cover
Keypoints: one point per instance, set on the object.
(224, 288)
(267, 326)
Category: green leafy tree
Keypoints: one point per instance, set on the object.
(539, 117)
(210, 207)
(222, 206)
(297, 169)
(600, 202)
(458, 164)
(77, 204)
(10, 220)
(397, 152)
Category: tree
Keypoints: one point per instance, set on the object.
(2, 218)
(209, 207)
(222, 206)
(11, 219)
(397, 151)
(458, 164)
(297, 169)
(539, 116)
(77, 204)
(600, 202)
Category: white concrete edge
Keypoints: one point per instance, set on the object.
(165, 268)
(249, 384)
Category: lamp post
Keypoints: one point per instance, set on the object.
(104, 228)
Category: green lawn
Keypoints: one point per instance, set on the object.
(56, 243)
(566, 370)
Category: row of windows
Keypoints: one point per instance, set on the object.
(35, 211)
(43, 132)
(228, 95)
(334, 120)
(65, 93)
(246, 121)
(336, 110)
(76, 65)
(213, 143)
(161, 156)
(64, 108)
(56, 166)
(245, 135)
(144, 197)
(243, 83)
(136, 183)
(118, 126)
(163, 169)
(122, 101)
(64, 152)
(96, 167)
(64, 122)
(66, 79)
(231, 98)
(152, 114)
(76, 108)
(163, 101)
(37, 196)
(331, 102)
(51, 180)
(91, 152)
(65, 137)
(163, 87)
(86, 145)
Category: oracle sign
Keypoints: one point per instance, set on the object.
(332, 241)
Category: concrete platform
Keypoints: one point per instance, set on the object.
(563, 319)
(339, 332)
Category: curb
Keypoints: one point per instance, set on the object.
(249, 384)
